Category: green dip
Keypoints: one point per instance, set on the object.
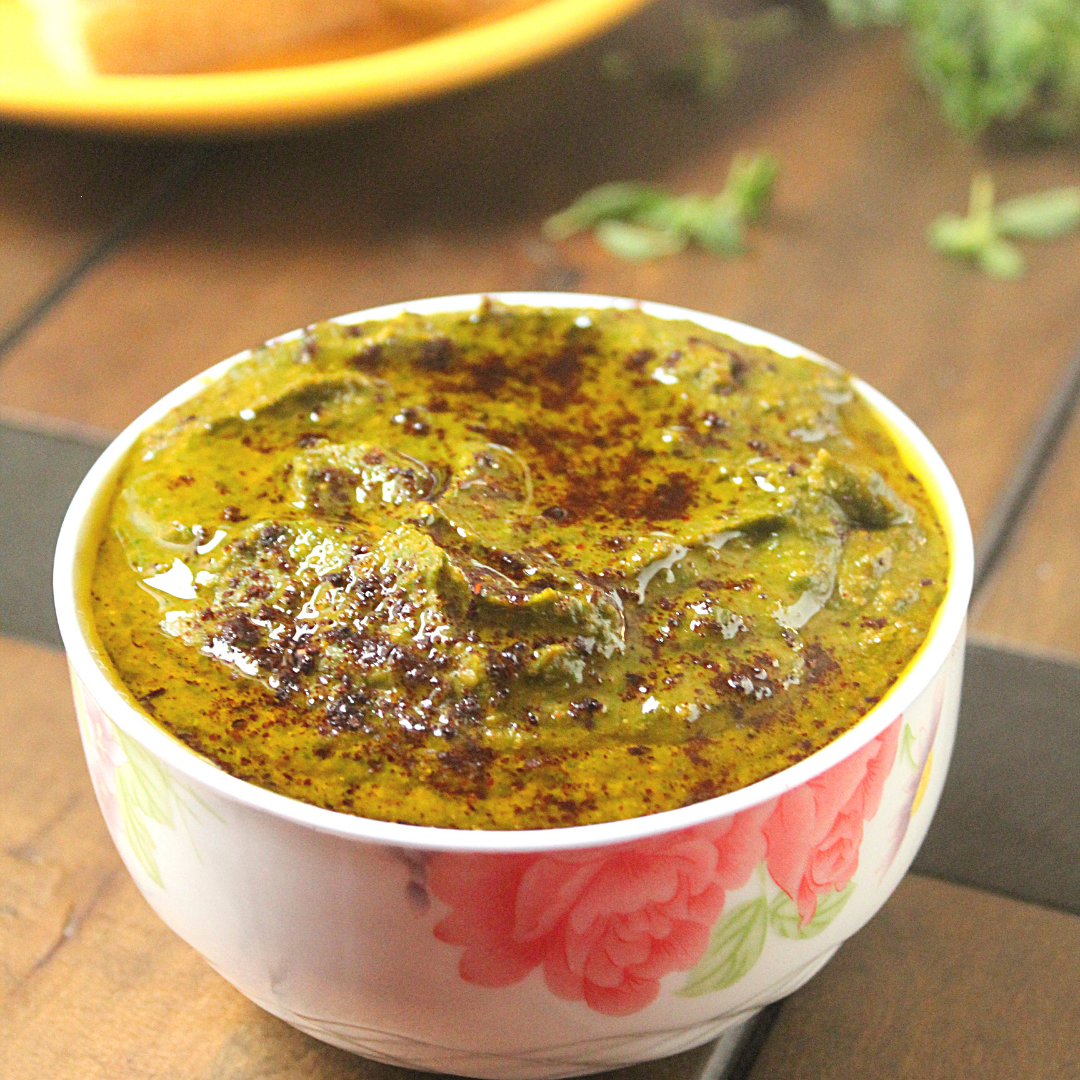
(515, 568)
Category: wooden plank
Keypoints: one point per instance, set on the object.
(944, 982)
(54, 855)
(448, 196)
(1032, 599)
(61, 195)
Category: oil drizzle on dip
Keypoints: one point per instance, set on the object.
(515, 568)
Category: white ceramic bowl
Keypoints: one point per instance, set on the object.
(540, 953)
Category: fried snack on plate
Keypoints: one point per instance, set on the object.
(148, 37)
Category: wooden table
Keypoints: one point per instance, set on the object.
(128, 264)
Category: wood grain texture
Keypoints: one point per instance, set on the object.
(448, 196)
(944, 982)
(1033, 599)
(54, 856)
(60, 196)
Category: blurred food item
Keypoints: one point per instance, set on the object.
(989, 61)
(713, 58)
(638, 221)
(983, 236)
(150, 37)
(712, 54)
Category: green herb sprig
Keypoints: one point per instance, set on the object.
(639, 221)
(988, 61)
(983, 235)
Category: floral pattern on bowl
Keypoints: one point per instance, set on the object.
(606, 924)
(132, 787)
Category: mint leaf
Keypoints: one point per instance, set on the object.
(734, 947)
(617, 200)
(980, 237)
(1042, 216)
(677, 213)
(638, 242)
(960, 237)
(637, 221)
(750, 184)
(721, 232)
(990, 61)
(1002, 260)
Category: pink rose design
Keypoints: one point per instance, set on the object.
(605, 924)
(814, 831)
(103, 757)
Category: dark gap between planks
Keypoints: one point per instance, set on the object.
(142, 212)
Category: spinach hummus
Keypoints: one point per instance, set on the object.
(515, 567)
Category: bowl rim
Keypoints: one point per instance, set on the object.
(80, 529)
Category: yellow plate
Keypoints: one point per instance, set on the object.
(30, 89)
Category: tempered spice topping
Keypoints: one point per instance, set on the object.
(515, 568)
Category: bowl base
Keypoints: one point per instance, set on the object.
(542, 1063)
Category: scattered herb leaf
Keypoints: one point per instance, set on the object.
(615, 201)
(982, 236)
(750, 184)
(638, 221)
(1041, 216)
(1000, 60)
(969, 237)
(1002, 260)
(638, 242)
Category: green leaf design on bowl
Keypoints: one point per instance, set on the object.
(734, 947)
(784, 916)
(146, 792)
